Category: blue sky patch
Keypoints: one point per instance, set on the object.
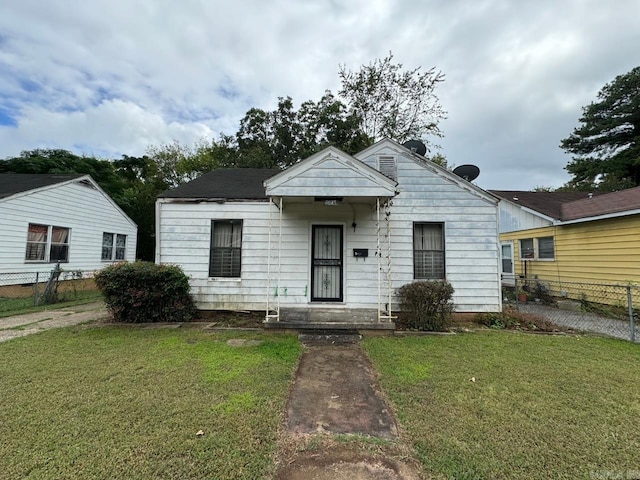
(7, 119)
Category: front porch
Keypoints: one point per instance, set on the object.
(329, 319)
(328, 257)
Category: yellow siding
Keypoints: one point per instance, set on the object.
(603, 251)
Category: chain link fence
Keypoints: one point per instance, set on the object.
(20, 290)
(599, 308)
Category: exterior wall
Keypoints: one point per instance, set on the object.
(513, 218)
(471, 232)
(84, 210)
(471, 243)
(600, 251)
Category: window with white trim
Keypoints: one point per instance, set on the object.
(114, 247)
(540, 248)
(527, 251)
(47, 243)
(225, 257)
(428, 251)
(546, 250)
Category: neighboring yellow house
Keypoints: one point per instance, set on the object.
(570, 236)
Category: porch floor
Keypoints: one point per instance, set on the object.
(292, 325)
(329, 319)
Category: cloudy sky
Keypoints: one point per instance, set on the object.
(108, 78)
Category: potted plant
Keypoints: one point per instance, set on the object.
(522, 295)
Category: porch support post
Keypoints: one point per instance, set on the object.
(379, 255)
(267, 313)
(279, 261)
(387, 215)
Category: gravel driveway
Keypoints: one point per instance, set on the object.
(585, 321)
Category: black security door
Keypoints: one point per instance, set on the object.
(326, 263)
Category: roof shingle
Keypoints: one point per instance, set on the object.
(547, 203)
(614, 202)
(225, 183)
(12, 183)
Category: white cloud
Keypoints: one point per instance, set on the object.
(118, 76)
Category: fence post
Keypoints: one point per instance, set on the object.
(35, 289)
(630, 304)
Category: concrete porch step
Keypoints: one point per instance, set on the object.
(329, 326)
(329, 337)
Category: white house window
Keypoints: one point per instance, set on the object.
(46, 243)
(546, 248)
(225, 257)
(428, 251)
(387, 166)
(114, 246)
(526, 249)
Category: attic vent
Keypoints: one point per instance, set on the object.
(387, 166)
(86, 183)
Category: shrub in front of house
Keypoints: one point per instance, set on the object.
(428, 305)
(145, 292)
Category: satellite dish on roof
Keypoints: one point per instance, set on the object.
(416, 146)
(468, 172)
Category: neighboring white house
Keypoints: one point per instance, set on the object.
(332, 237)
(45, 219)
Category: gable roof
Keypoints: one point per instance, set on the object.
(424, 162)
(330, 172)
(606, 204)
(225, 183)
(546, 203)
(12, 183)
(18, 184)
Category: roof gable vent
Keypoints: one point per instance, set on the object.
(387, 166)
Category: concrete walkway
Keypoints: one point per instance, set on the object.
(21, 325)
(335, 392)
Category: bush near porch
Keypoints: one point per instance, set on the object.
(427, 305)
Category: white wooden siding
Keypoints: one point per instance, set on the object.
(513, 218)
(471, 243)
(471, 231)
(85, 211)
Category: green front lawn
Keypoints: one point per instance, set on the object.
(540, 407)
(121, 402)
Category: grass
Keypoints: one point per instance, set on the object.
(120, 402)
(540, 407)
(17, 306)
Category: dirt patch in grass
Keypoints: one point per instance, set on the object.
(325, 457)
(221, 318)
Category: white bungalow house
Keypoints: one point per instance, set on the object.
(332, 237)
(46, 219)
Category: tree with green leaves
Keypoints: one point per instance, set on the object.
(43, 160)
(606, 146)
(284, 136)
(393, 102)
